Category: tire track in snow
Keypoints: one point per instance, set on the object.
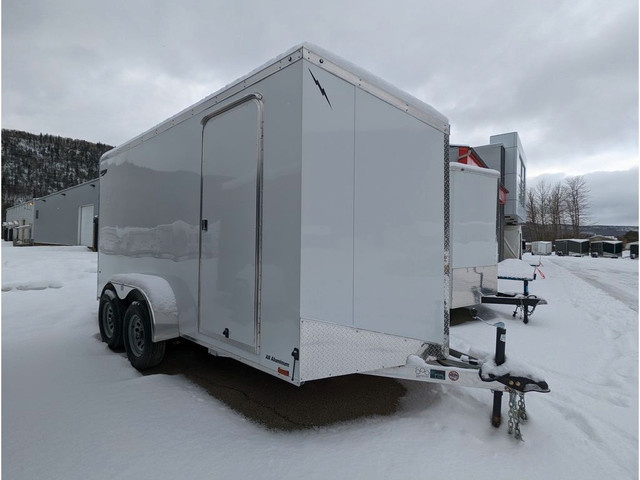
(629, 298)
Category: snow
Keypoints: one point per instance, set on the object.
(73, 409)
(160, 293)
(473, 168)
(516, 269)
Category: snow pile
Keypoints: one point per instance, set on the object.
(73, 409)
(160, 293)
(516, 269)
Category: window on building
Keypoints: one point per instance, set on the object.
(521, 182)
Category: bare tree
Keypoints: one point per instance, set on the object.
(533, 220)
(557, 211)
(576, 193)
(546, 211)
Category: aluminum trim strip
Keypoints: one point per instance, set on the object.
(415, 111)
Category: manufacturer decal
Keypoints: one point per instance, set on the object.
(435, 374)
(454, 376)
(273, 359)
(322, 90)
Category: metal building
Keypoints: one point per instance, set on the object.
(19, 223)
(505, 154)
(66, 217)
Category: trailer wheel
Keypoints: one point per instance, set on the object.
(142, 352)
(110, 320)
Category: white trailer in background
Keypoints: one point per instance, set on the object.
(474, 242)
(297, 221)
(541, 248)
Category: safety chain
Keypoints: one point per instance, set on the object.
(517, 412)
(522, 412)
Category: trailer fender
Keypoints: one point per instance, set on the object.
(160, 299)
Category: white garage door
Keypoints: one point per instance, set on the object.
(86, 225)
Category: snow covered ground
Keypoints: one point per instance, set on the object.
(72, 409)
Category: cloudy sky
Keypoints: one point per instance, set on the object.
(564, 74)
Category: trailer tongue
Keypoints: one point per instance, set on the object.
(464, 370)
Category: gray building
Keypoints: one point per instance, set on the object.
(515, 176)
(61, 218)
(18, 226)
(505, 154)
(66, 217)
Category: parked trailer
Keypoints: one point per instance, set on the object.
(297, 221)
(633, 250)
(607, 248)
(575, 247)
(474, 252)
(541, 248)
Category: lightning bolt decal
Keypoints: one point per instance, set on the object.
(322, 90)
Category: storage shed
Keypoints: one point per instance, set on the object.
(576, 247)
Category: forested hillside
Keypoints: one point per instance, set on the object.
(37, 165)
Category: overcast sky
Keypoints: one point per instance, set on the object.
(564, 74)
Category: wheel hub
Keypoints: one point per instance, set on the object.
(136, 336)
(108, 324)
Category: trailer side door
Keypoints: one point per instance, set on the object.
(229, 306)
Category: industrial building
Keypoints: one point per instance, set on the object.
(506, 154)
(61, 218)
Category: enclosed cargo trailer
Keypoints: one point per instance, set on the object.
(297, 221)
(311, 197)
(541, 248)
(607, 248)
(575, 247)
(474, 252)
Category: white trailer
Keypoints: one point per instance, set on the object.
(297, 221)
(474, 241)
(541, 248)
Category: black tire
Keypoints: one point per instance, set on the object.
(110, 320)
(142, 352)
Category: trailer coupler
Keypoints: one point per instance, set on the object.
(461, 369)
(517, 383)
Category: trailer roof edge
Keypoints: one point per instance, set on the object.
(323, 59)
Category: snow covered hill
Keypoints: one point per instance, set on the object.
(72, 409)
